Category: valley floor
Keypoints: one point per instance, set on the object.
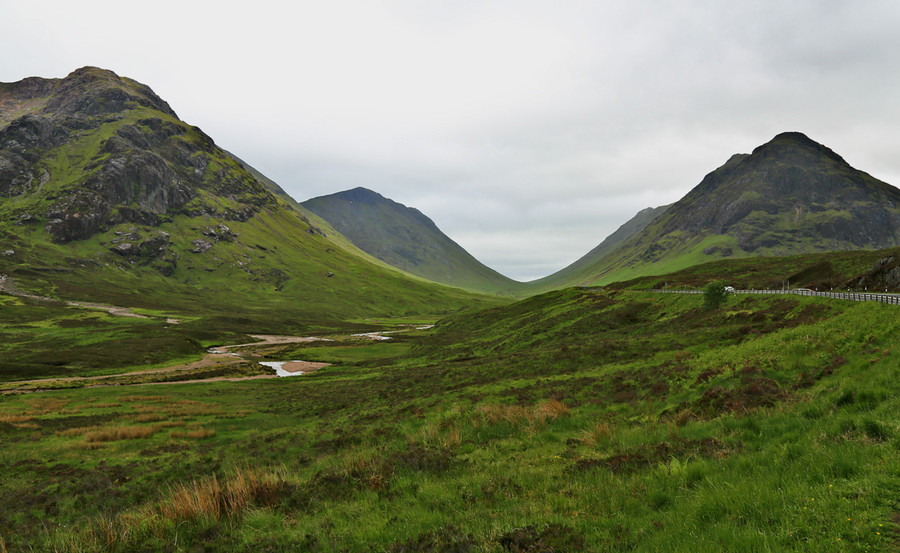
(579, 420)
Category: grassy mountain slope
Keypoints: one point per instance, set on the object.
(583, 268)
(405, 238)
(856, 270)
(105, 195)
(790, 196)
(578, 420)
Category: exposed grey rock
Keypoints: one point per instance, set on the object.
(125, 249)
(221, 233)
(146, 249)
(882, 262)
(201, 246)
(25, 218)
(892, 278)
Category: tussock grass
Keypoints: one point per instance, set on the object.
(600, 434)
(194, 433)
(440, 435)
(531, 418)
(187, 408)
(27, 425)
(15, 419)
(170, 424)
(115, 433)
(144, 399)
(43, 406)
(216, 498)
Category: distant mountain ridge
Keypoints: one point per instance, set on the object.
(405, 238)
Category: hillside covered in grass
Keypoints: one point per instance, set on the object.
(579, 420)
(405, 238)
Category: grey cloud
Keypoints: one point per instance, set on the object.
(528, 132)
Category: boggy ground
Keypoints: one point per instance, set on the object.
(574, 421)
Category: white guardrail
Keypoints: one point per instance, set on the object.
(891, 299)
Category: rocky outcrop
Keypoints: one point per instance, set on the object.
(92, 91)
(144, 172)
(220, 233)
(153, 251)
(22, 143)
(885, 275)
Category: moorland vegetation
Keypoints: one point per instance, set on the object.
(576, 419)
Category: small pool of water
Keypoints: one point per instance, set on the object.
(277, 365)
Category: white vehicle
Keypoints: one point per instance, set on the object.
(729, 289)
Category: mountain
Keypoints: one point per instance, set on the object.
(106, 194)
(405, 238)
(791, 195)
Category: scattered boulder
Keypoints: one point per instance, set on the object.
(125, 249)
(220, 233)
(201, 246)
(146, 249)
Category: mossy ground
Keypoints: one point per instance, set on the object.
(574, 421)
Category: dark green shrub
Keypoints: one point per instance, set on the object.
(714, 294)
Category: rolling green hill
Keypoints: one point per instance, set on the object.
(405, 238)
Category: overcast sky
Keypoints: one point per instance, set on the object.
(528, 131)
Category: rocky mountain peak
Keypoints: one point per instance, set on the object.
(361, 195)
(130, 159)
(93, 91)
(797, 147)
(790, 190)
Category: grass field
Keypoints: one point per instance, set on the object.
(574, 421)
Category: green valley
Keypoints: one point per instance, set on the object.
(151, 283)
(578, 420)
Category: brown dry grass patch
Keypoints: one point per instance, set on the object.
(27, 425)
(599, 434)
(189, 408)
(170, 424)
(43, 406)
(15, 419)
(146, 417)
(520, 416)
(72, 432)
(145, 399)
(119, 433)
(194, 433)
(439, 435)
(212, 498)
